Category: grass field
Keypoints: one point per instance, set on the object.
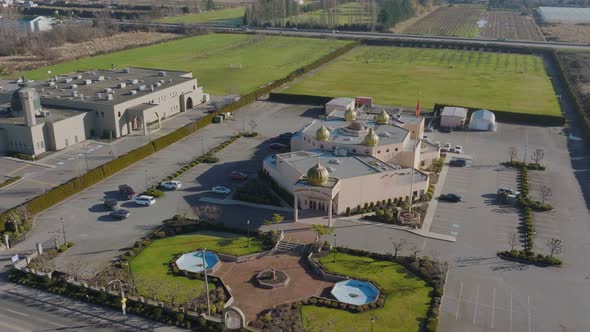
(406, 303)
(209, 57)
(395, 76)
(152, 262)
(226, 16)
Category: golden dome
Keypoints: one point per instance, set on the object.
(317, 175)
(371, 139)
(322, 134)
(382, 118)
(349, 115)
(356, 125)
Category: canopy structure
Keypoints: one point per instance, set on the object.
(483, 120)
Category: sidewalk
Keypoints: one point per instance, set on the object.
(254, 205)
(427, 223)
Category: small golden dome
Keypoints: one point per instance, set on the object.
(317, 175)
(371, 139)
(322, 134)
(349, 115)
(382, 118)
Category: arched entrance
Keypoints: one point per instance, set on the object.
(189, 103)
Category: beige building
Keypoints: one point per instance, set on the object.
(63, 111)
(453, 117)
(349, 159)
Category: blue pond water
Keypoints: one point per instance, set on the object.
(193, 261)
(355, 292)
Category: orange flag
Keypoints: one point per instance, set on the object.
(418, 107)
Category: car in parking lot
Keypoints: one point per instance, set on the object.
(278, 146)
(437, 144)
(507, 190)
(458, 163)
(235, 175)
(126, 191)
(120, 214)
(458, 149)
(144, 200)
(111, 204)
(446, 147)
(286, 136)
(171, 185)
(450, 197)
(221, 190)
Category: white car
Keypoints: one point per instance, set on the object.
(221, 190)
(171, 185)
(437, 144)
(144, 200)
(446, 147)
(458, 149)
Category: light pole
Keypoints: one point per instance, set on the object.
(206, 282)
(412, 180)
(123, 299)
(63, 230)
(334, 250)
(248, 223)
(146, 180)
(372, 323)
(202, 146)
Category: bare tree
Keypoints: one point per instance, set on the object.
(415, 250)
(208, 213)
(79, 270)
(512, 240)
(513, 153)
(538, 155)
(252, 125)
(545, 194)
(555, 246)
(173, 292)
(397, 246)
(150, 285)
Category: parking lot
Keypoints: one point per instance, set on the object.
(99, 238)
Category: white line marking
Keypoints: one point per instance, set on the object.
(529, 310)
(493, 306)
(459, 301)
(510, 330)
(17, 312)
(56, 324)
(476, 299)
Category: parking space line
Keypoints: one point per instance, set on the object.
(529, 311)
(459, 301)
(18, 169)
(510, 330)
(42, 182)
(493, 305)
(476, 300)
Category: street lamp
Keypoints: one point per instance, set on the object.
(146, 180)
(63, 230)
(372, 323)
(248, 223)
(334, 250)
(123, 299)
(206, 282)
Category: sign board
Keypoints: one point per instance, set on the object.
(123, 301)
(14, 258)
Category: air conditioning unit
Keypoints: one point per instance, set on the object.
(74, 86)
(78, 77)
(141, 87)
(51, 84)
(162, 81)
(132, 92)
(134, 81)
(126, 70)
(68, 80)
(110, 97)
(158, 84)
(162, 73)
(108, 90)
(87, 82)
(121, 85)
(101, 78)
(74, 93)
(99, 95)
(44, 114)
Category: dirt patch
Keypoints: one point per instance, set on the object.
(510, 25)
(70, 51)
(401, 26)
(575, 33)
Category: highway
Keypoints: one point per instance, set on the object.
(475, 42)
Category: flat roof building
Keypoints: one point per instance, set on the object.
(453, 117)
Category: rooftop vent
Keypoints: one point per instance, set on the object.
(110, 96)
(133, 81)
(162, 73)
(141, 87)
(74, 93)
(108, 90)
(330, 169)
(68, 80)
(335, 161)
(121, 85)
(101, 78)
(50, 83)
(126, 70)
(87, 82)
(132, 92)
(73, 86)
(44, 113)
(78, 77)
(162, 81)
(99, 95)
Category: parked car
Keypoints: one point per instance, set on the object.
(221, 190)
(437, 144)
(111, 203)
(286, 136)
(171, 185)
(120, 214)
(450, 197)
(446, 147)
(235, 175)
(278, 146)
(426, 138)
(445, 129)
(144, 200)
(458, 163)
(126, 191)
(458, 149)
(507, 190)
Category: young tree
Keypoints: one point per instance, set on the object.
(513, 153)
(555, 246)
(276, 220)
(545, 194)
(208, 213)
(397, 246)
(252, 125)
(415, 250)
(512, 240)
(173, 292)
(321, 230)
(538, 156)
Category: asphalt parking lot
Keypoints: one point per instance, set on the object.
(99, 238)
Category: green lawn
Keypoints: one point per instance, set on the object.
(227, 16)
(213, 59)
(152, 262)
(406, 304)
(395, 76)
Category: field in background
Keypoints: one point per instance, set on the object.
(227, 16)
(459, 21)
(575, 33)
(345, 14)
(222, 63)
(395, 76)
(510, 25)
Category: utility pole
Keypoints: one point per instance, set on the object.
(206, 282)
(63, 230)
(248, 223)
(146, 180)
(123, 299)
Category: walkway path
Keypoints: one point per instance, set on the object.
(236, 202)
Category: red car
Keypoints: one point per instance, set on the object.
(235, 175)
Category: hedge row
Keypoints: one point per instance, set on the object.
(74, 186)
(298, 99)
(514, 117)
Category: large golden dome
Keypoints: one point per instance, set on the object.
(317, 175)
(382, 118)
(322, 134)
(371, 139)
(349, 115)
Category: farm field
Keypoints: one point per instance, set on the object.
(458, 21)
(403, 310)
(226, 16)
(509, 25)
(214, 59)
(395, 76)
(575, 33)
(352, 13)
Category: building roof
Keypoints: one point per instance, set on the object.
(55, 114)
(388, 134)
(121, 83)
(454, 111)
(341, 101)
(565, 14)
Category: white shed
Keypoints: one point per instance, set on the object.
(339, 104)
(453, 117)
(483, 120)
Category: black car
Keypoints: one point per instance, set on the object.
(111, 203)
(286, 136)
(126, 191)
(120, 214)
(445, 129)
(450, 197)
(458, 163)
